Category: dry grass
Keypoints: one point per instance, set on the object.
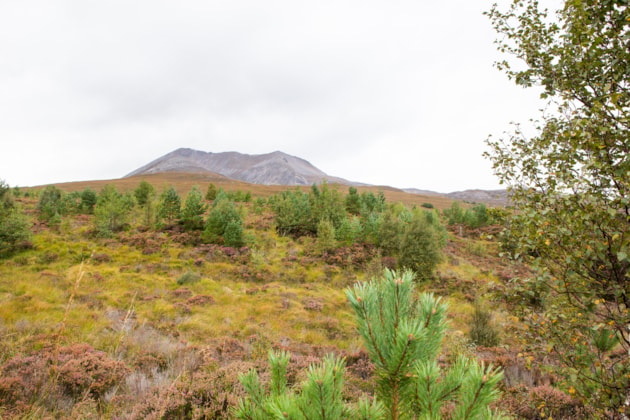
(72, 288)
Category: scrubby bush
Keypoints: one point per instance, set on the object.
(15, 231)
(350, 231)
(482, 332)
(51, 376)
(188, 278)
(327, 204)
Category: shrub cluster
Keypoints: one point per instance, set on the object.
(58, 378)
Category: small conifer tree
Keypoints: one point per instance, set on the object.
(224, 225)
(89, 198)
(50, 206)
(319, 396)
(144, 193)
(194, 208)
(211, 192)
(402, 334)
(112, 210)
(233, 234)
(403, 338)
(170, 206)
(353, 201)
(325, 236)
(14, 227)
(421, 246)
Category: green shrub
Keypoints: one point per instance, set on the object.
(188, 278)
(293, 214)
(482, 332)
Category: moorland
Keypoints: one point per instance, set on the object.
(148, 296)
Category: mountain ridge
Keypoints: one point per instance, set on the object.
(275, 168)
(279, 168)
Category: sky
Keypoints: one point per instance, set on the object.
(399, 92)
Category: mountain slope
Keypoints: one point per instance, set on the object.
(275, 168)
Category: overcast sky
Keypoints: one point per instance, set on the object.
(397, 92)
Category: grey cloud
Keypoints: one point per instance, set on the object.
(375, 80)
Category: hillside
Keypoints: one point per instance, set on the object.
(153, 320)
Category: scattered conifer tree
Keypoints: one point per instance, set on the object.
(144, 193)
(193, 211)
(293, 213)
(170, 206)
(353, 201)
(319, 397)
(325, 236)
(224, 214)
(51, 205)
(112, 210)
(403, 337)
(233, 234)
(89, 197)
(326, 203)
(420, 247)
(14, 227)
(211, 192)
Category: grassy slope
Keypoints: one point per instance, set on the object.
(73, 288)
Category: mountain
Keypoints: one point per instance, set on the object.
(275, 168)
(491, 197)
